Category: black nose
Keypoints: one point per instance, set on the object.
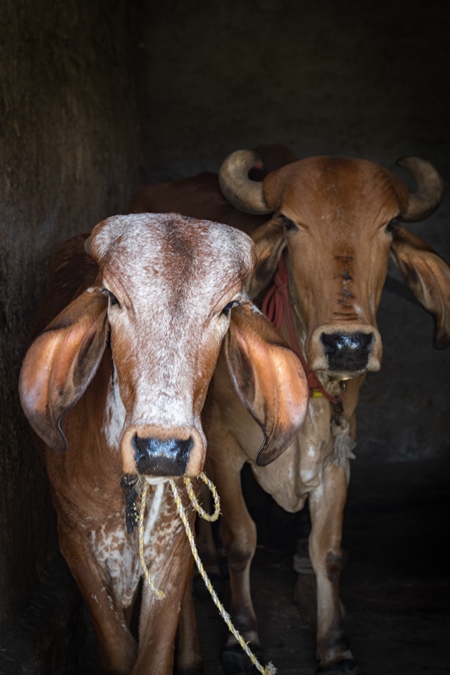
(347, 351)
(155, 457)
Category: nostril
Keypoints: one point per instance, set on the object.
(366, 341)
(140, 445)
(329, 343)
(185, 446)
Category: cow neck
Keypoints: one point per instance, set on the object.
(277, 306)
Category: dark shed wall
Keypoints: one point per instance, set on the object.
(68, 158)
(327, 77)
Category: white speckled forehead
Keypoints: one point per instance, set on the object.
(161, 240)
(172, 276)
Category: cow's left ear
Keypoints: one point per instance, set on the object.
(428, 277)
(61, 363)
(268, 377)
(269, 244)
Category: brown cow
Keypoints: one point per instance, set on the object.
(115, 386)
(325, 227)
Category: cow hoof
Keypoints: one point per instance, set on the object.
(344, 667)
(236, 662)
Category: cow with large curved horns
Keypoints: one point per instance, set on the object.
(324, 228)
(115, 387)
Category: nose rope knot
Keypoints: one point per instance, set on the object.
(270, 668)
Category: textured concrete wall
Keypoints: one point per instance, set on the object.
(68, 158)
(328, 77)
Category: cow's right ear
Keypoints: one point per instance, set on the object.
(428, 277)
(61, 363)
(269, 244)
(269, 378)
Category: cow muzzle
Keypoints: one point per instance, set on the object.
(345, 353)
(166, 453)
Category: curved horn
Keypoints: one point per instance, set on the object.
(430, 188)
(243, 193)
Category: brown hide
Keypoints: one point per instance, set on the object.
(115, 386)
(335, 220)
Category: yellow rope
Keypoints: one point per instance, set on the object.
(270, 668)
(190, 490)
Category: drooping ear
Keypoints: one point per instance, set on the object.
(428, 277)
(61, 363)
(268, 377)
(269, 244)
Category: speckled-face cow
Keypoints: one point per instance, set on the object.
(115, 386)
(324, 228)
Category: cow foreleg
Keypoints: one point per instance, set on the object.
(188, 659)
(239, 539)
(326, 508)
(117, 647)
(158, 619)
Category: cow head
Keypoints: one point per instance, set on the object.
(337, 219)
(168, 291)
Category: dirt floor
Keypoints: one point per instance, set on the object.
(395, 586)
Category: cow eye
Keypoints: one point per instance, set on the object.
(390, 227)
(112, 298)
(229, 306)
(288, 223)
